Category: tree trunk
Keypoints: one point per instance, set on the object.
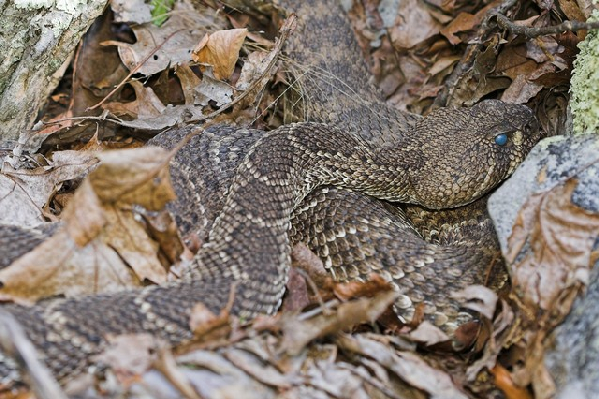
(37, 38)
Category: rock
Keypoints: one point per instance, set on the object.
(574, 360)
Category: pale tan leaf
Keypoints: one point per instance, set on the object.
(221, 50)
(136, 176)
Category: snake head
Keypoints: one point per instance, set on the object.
(463, 153)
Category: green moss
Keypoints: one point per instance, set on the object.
(584, 101)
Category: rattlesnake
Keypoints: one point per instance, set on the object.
(354, 147)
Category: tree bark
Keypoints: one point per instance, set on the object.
(37, 38)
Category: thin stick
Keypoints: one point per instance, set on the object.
(134, 70)
(567, 26)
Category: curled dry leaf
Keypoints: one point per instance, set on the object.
(221, 50)
(146, 105)
(499, 335)
(102, 238)
(465, 22)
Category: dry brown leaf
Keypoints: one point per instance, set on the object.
(296, 297)
(561, 236)
(221, 50)
(102, 239)
(309, 262)
(499, 334)
(189, 81)
(572, 10)
(212, 89)
(558, 239)
(204, 323)
(465, 22)
(59, 267)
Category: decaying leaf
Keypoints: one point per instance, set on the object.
(221, 50)
(354, 289)
(505, 383)
(428, 334)
(297, 292)
(102, 246)
(206, 325)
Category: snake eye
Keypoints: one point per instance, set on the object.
(501, 139)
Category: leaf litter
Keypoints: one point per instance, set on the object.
(334, 348)
(102, 246)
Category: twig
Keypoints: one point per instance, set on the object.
(286, 29)
(167, 365)
(567, 26)
(472, 51)
(137, 67)
(14, 343)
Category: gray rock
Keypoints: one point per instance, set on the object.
(574, 360)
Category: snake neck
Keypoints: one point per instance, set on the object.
(333, 78)
(249, 240)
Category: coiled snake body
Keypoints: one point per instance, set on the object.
(355, 146)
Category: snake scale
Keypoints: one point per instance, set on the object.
(323, 175)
